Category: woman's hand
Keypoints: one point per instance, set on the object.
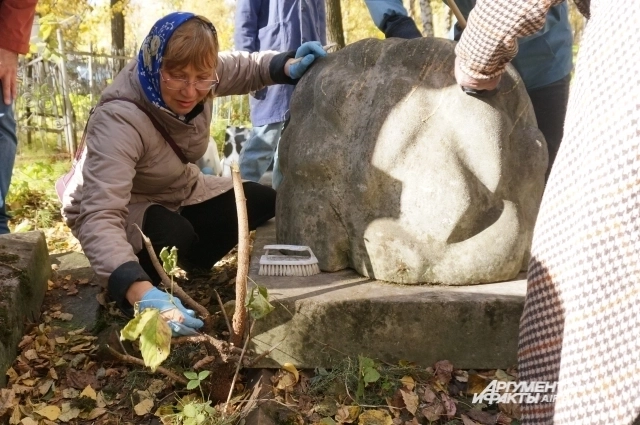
(305, 55)
(181, 320)
(466, 81)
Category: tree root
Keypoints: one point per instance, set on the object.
(126, 358)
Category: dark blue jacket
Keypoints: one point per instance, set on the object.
(281, 25)
(543, 58)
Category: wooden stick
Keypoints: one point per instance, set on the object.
(240, 314)
(222, 347)
(454, 8)
(235, 375)
(166, 282)
(224, 313)
(134, 360)
(11, 267)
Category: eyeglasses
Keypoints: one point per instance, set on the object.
(200, 85)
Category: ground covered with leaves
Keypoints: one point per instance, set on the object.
(65, 374)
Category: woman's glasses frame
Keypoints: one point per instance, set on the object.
(211, 84)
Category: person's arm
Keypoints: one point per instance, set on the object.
(245, 35)
(489, 42)
(16, 19)
(392, 19)
(242, 72)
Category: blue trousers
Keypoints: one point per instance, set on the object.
(259, 151)
(8, 146)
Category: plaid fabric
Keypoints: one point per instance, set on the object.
(581, 320)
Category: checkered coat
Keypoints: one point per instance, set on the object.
(581, 320)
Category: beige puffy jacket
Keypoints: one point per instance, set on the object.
(127, 165)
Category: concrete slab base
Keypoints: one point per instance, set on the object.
(24, 271)
(321, 319)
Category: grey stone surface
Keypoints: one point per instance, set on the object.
(390, 169)
(84, 305)
(320, 319)
(24, 271)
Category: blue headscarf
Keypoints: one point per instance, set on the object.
(152, 51)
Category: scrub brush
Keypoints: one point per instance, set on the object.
(288, 265)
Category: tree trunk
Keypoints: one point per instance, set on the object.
(426, 14)
(335, 32)
(117, 33)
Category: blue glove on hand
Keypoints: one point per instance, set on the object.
(155, 298)
(309, 51)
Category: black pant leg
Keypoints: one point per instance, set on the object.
(216, 222)
(550, 106)
(165, 228)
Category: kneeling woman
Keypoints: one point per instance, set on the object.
(149, 127)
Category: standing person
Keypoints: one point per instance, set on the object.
(149, 127)
(544, 60)
(16, 19)
(273, 25)
(581, 320)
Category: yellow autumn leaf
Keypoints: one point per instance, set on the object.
(410, 401)
(28, 421)
(30, 354)
(97, 412)
(347, 414)
(375, 417)
(7, 400)
(143, 407)
(291, 368)
(408, 382)
(88, 392)
(50, 412)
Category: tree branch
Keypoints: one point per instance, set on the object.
(126, 358)
(240, 314)
(166, 282)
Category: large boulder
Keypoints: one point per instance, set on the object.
(389, 168)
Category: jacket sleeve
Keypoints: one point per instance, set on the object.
(243, 72)
(245, 35)
(490, 40)
(379, 8)
(114, 146)
(16, 19)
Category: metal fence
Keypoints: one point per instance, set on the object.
(55, 97)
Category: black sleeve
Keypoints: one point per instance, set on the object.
(276, 68)
(120, 281)
(399, 26)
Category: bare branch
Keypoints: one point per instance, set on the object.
(240, 314)
(224, 313)
(166, 282)
(126, 358)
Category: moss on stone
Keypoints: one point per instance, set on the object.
(8, 258)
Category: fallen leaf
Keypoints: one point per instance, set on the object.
(68, 412)
(80, 379)
(428, 395)
(408, 382)
(45, 387)
(97, 412)
(143, 407)
(291, 368)
(482, 417)
(70, 393)
(156, 386)
(28, 421)
(50, 412)
(433, 411)
(53, 374)
(12, 375)
(7, 400)
(30, 354)
(347, 414)
(449, 405)
(375, 417)
(443, 370)
(501, 375)
(410, 401)
(88, 392)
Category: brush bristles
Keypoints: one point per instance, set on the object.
(288, 270)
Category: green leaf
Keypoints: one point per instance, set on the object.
(200, 418)
(365, 362)
(191, 375)
(202, 375)
(134, 328)
(370, 375)
(155, 341)
(169, 260)
(258, 303)
(190, 410)
(327, 421)
(190, 421)
(193, 384)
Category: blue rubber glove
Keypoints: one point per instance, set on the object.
(309, 51)
(155, 298)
